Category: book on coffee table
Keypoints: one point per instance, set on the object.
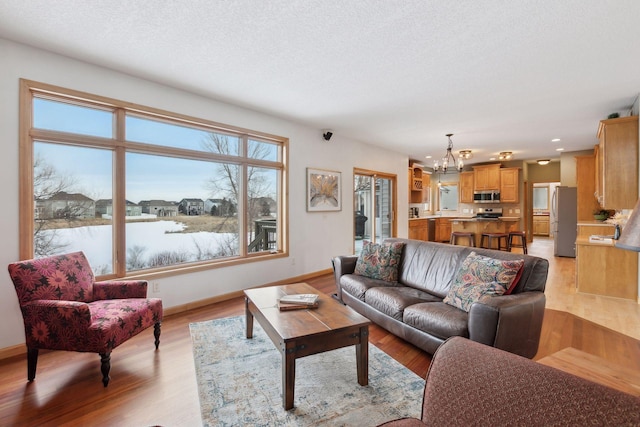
(300, 299)
(287, 306)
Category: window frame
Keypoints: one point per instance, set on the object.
(119, 146)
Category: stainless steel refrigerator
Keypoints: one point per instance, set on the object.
(565, 225)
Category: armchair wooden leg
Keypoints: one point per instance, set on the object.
(156, 333)
(32, 361)
(105, 367)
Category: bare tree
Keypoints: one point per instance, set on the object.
(47, 181)
(226, 178)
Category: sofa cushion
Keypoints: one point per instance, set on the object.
(393, 300)
(481, 277)
(379, 261)
(357, 286)
(438, 319)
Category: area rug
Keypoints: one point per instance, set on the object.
(239, 382)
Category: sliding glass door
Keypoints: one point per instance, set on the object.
(374, 205)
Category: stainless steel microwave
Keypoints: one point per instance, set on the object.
(486, 197)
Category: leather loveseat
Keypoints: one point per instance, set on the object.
(413, 308)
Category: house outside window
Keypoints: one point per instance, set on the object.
(141, 190)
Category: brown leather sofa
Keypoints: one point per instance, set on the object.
(469, 384)
(412, 308)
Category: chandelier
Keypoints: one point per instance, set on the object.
(448, 160)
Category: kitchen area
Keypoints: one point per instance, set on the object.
(484, 199)
(545, 201)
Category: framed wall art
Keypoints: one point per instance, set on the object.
(324, 190)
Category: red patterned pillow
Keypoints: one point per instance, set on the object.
(481, 277)
(379, 261)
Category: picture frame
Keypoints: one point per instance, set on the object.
(324, 190)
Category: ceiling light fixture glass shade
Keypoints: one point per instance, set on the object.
(543, 162)
(465, 154)
(448, 160)
(505, 155)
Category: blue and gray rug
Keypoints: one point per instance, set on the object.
(239, 382)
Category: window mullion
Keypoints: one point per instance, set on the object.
(119, 197)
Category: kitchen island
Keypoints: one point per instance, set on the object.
(477, 226)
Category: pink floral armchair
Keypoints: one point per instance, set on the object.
(65, 309)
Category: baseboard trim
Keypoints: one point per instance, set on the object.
(14, 350)
(21, 349)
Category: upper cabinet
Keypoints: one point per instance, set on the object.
(617, 157)
(419, 185)
(466, 187)
(487, 177)
(509, 185)
(585, 181)
(415, 185)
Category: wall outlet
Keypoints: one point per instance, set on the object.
(293, 261)
(510, 211)
(517, 211)
(155, 287)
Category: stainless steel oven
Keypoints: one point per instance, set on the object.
(486, 197)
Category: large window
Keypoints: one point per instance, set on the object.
(141, 190)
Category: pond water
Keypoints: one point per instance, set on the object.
(154, 237)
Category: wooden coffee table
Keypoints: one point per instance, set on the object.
(300, 333)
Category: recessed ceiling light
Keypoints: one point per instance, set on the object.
(559, 149)
(555, 140)
(427, 157)
(492, 158)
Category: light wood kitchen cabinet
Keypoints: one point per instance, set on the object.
(465, 189)
(415, 185)
(509, 185)
(618, 163)
(602, 268)
(486, 177)
(443, 230)
(419, 229)
(541, 225)
(586, 184)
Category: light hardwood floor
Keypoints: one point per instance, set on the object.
(159, 388)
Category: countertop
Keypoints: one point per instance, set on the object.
(594, 222)
(464, 217)
(502, 218)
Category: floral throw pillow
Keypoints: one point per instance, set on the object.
(379, 261)
(481, 277)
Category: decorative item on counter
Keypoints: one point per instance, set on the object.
(619, 219)
(600, 214)
(613, 116)
(616, 233)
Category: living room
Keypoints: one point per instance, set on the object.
(307, 149)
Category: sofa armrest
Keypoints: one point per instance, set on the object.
(472, 376)
(509, 322)
(344, 264)
(40, 315)
(119, 289)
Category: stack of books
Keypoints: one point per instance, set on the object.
(298, 302)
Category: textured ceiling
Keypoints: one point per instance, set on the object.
(499, 75)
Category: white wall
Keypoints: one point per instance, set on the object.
(314, 237)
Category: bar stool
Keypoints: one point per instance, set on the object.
(463, 235)
(521, 244)
(500, 239)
